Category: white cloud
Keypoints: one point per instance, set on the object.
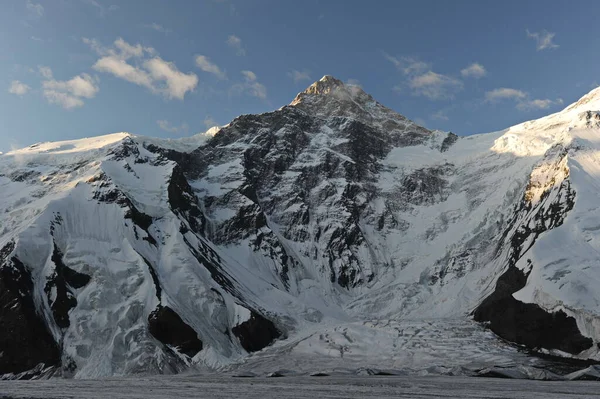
(36, 10)
(504, 93)
(532, 105)
(45, 71)
(474, 70)
(70, 93)
(177, 83)
(18, 88)
(423, 81)
(255, 88)
(121, 69)
(249, 76)
(434, 85)
(95, 45)
(120, 50)
(251, 86)
(158, 28)
(236, 43)
(65, 100)
(298, 76)
(127, 50)
(205, 64)
(408, 65)
(543, 39)
(522, 99)
(167, 127)
(150, 71)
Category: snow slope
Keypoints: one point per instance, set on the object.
(334, 227)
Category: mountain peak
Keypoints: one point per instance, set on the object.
(589, 102)
(327, 86)
(331, 97)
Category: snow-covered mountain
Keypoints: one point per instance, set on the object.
(332, 230)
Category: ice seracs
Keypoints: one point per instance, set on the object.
(304, 233)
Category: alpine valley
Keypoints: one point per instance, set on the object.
(330, 234)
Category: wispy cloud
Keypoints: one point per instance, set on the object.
(158, 28)
(423, 81)
(543, 39)
(532, 105)
(420, 121)
(474, 70)
(236, 43)
(205, 64)
(167, 127)
(251, 86)
(439, 116)
(522, 100)
(35, 10)
(210, 122)
(150, 71)
(408, 65)
(71, 93)
(101, 9)
(299, 76)
(45, 71)
(18, 88)
(434, 85)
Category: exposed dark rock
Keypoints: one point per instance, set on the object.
(450, 139)
(166, 326)
(127, 148)
(155, 279)
(183, 201)
(59, 289)
(525, 323)
(22, 176)
(208, 258)
(426, 186)
(25, 340)
(256, 333)
(140, 219)
(245, 374)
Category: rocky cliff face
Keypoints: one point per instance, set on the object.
(125, 254)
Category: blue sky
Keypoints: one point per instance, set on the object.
(80, 68)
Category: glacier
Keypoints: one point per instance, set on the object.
(332, 233)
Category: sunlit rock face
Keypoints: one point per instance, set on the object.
(332, 217)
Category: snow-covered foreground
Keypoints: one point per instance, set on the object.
(415, 347)
(299, 387)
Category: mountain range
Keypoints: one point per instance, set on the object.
(332, 232)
